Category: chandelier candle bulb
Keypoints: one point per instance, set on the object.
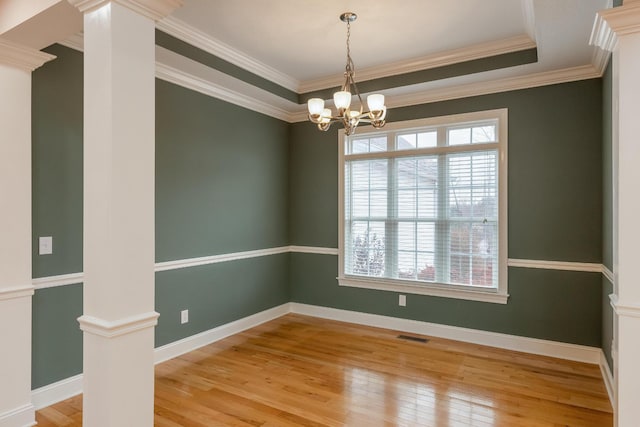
(316, 106)
(342, 99)
(325, 117)
(375, 102)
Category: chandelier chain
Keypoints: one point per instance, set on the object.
(349, 67)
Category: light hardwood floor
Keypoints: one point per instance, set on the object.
(303, 371)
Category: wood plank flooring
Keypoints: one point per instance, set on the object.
(304, 371)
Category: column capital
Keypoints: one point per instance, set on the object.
(22, 57)
(152, 9)
(612, 23)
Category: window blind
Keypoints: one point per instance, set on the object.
(422, 205)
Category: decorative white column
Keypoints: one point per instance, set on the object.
(16, 64)
(119, 236)
(618, 30)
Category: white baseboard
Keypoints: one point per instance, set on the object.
(24, 416)
(56, 392)
(607, 376)
(193, 342)
(557, 349)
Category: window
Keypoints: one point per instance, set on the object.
(423, 207)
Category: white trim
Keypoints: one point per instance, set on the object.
(608, 274)
(557, 349)
(602, 35)
(499, 294)
(556, 265)
(22, 416)
(600, 59)
(496, 86)
(607, 376)
(185, 345)
(74, 41)
(61, 280)
(22, 57)
(16, 292)
(624, 308)
(152, 9)
(56, 392)
(78, 278)
(214, 259)
(181, 78)
(181, 30)
(313, 250)
(436, 60)
(508, 84)
(298, 113)
(117, 328)
(446, 291)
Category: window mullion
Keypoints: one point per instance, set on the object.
(391, 225)
(442, 237)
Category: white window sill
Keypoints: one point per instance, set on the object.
(446, 291)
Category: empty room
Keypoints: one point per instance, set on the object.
(338, 213)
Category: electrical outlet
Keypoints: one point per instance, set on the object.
(402, 300)
(184, 316)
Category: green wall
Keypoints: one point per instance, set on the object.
(555, 213)
(221, 187)
(57, 212)
(57, 162)
(229, 179)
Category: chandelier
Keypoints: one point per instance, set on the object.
(350, 118)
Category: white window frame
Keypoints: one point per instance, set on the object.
(493, 295)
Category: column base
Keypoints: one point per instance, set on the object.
(24, 416)
(118, 380)
(16, 409)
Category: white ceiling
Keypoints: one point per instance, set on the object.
(305, 40)
(300, 44)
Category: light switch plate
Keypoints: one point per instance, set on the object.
(46, 245)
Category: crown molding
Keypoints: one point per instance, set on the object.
(440, 59)
(22, 57)
(545, 78)
(152, 9)
(201, 40)
(496, 86)
(74, 41)
(600, 59)
(613, 23)
(207, 87)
